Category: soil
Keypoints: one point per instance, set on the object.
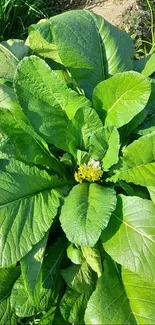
(112, 10)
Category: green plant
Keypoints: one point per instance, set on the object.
(138, 21)
(77, 175)
(17, 15)
(151, 8)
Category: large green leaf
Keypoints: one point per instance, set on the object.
(30, 200)
(73, 305)
(75, 254)
(17, 47)
(41, 41)
(117, 47)
(138, 162)
(52, 284)
(108, 303)
(87, 45)
(87, 209)
(145, 65)
(104, 146)
(129, 237)
(80, 129)
(7, 279)
(20, 300)
(112, 98)
(79, 277)
(93, 258)
(141, 294)
(46, 99)
(32, 276)
(23, 143)
(7, 313)
(140, 118)
(8, 63)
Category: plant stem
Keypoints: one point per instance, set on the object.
(152, 25)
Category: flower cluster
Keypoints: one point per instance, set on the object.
(90, 172)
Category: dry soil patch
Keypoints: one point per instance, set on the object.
(112, 10)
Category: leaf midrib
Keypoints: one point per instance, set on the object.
(120, 98)
(30, 195)
(54, 265)
(134, 229)
(137, 166)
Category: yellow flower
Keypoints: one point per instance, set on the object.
(91, 172)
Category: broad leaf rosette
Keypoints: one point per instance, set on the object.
(77, 176)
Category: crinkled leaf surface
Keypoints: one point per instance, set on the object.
(46, 100)
(104, 146)
(73, 305)
(138, 162)
(8, 63)
(23, 143)
(113, 97)
(41, 41)
(31, 265)
(81, 127)
(109, 303)
(7, 313)
(141, 294)
(28, 204)
(23, 305)
(86, 212)
(79, 277)
(130, 236)
(87, 45)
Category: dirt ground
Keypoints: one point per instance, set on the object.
(112, 10)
